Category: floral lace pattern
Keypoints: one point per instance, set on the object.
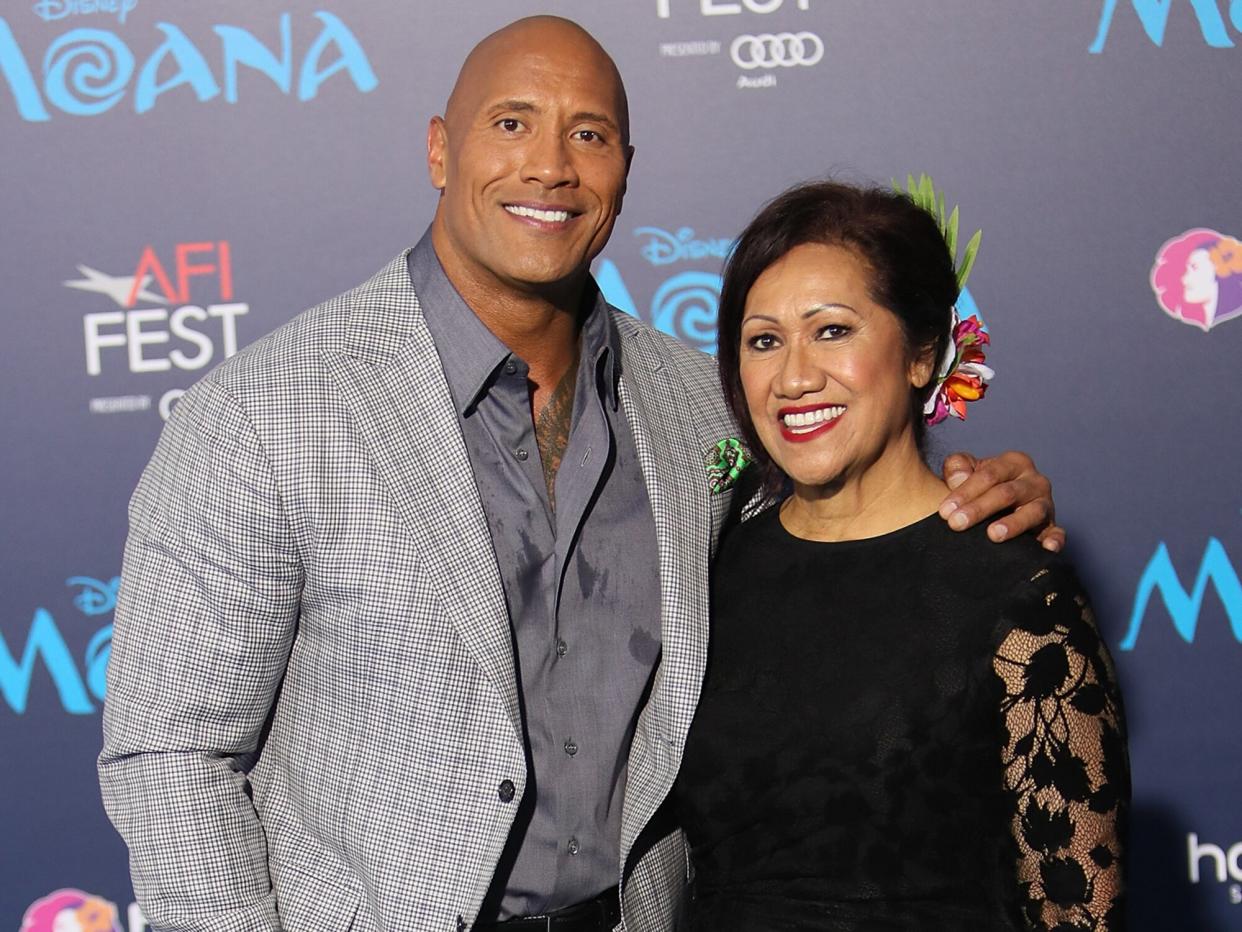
(915, 731)
(1065, 762)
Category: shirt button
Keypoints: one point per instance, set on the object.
(521, 453)
(561, 647)
(571, 747)
(573, 846)
(510, 367)
(505, 791)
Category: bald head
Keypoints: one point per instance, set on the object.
(530, 159)
(550, 36)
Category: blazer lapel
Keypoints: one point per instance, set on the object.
(654, 404)
(390, 375)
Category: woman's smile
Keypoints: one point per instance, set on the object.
(802, 423)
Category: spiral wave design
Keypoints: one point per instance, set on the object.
(85, 71)
(686, 306)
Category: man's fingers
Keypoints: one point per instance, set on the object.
(996, 500)
(957, 469)
(1029, 517)
(1007, 485)
(987, 477)
(1052, 538)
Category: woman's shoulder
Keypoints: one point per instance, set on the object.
(1008, 585)
(986, 567)
(1036, 597)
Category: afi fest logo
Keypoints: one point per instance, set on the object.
(185, 333)
(1221, 865)
(1154, 16)
(685, 304)
(78, 686)
(88, 71)
(757, 54)
(1197, 278)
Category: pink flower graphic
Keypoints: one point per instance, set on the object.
(71, 910)
(1197, 278)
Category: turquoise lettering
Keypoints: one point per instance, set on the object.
(21, 81)
(241, 48)
(353, 59)
(192, 69)
(44, 640)
(85, 71)
(1154, 15)
(1184, 607)
(98, 653)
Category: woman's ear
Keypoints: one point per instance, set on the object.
(923, 366)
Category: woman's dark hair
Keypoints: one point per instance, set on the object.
(911, 274)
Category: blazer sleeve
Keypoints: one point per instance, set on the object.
(203, 627)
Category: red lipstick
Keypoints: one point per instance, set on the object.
(803, 435)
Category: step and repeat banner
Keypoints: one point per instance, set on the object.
(180, 178)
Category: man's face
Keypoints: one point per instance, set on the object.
(531, 160)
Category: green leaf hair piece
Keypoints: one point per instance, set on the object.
(923, 192)
(968, 259)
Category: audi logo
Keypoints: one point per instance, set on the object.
(783, 50)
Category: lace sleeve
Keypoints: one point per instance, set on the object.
(1065, 760)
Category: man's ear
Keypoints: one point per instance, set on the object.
(629, 160)
(437, 143)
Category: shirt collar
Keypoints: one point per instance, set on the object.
(468, 351)
(471, 354)
(601, 345)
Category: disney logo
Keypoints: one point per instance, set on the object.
(664, 248)
(96, 597)
(49, 10)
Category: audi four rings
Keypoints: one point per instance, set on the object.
(783, 49)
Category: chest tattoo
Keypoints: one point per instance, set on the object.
(552, 429)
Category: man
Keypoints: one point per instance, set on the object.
(390, 651)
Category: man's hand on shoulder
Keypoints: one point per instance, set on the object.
(1008, 486)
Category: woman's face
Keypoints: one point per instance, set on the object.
(1199, 282)
(824, 368)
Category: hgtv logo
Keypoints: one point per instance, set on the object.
(1212, 861)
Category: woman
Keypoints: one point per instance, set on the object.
(1213, 279)
(901, 727)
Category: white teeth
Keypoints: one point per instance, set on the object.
(546, 216)
(812, 419)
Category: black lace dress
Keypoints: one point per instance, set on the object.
(916, 731)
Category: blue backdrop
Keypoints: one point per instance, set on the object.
(181, 178)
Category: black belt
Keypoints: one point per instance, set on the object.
(600, 914)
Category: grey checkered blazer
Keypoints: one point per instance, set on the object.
(312, 703)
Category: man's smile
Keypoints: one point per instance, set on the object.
(554, 217)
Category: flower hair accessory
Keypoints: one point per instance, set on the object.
(961, 374)
(725, 462)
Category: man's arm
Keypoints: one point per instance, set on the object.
(203, 628)
(1008, 485)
